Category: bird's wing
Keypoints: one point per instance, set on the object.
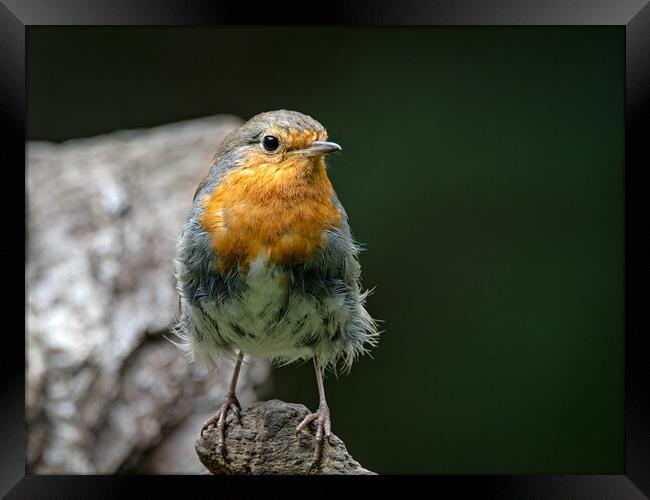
(339, 257)
(200, 187)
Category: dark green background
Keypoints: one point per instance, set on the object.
(483, 170)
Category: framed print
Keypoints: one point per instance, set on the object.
(457, 189)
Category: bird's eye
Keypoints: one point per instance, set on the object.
(270, 143)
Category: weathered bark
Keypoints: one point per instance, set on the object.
(266, 442)
(103, 387)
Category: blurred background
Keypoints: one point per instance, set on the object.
(482, 169)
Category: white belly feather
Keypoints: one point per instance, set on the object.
(264, 322)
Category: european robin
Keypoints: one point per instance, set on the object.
(266, 264)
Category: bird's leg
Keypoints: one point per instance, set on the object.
(322, 416)
(231, 403)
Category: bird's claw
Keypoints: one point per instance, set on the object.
(231, 404)
(323, 428)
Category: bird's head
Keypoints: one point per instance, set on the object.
(278, 140)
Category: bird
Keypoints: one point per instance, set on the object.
(266, 265)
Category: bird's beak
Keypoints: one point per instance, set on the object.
(318, 148)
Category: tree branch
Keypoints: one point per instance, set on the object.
(266, 443)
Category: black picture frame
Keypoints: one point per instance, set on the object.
(16, 16)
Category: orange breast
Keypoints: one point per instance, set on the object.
(278, 211)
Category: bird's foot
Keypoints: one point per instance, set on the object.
(323, 428)
(231, 403)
